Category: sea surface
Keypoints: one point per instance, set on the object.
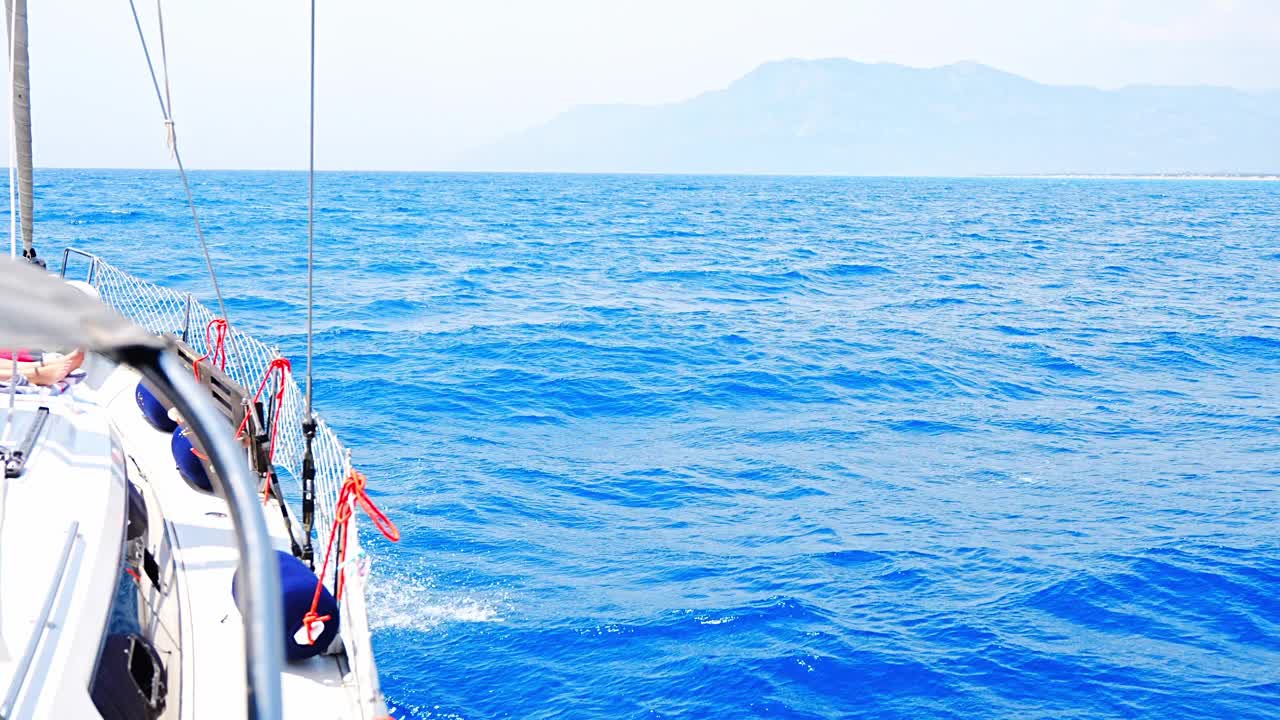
(756, 447)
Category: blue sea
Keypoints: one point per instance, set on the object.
(758, 447)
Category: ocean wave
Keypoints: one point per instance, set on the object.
(776, 447)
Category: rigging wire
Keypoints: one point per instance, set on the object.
(309, 419)
(166, 109)
(164, 65)
(311, 205)
(11, 23)
(12, 26)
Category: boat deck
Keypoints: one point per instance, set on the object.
(61, 526)
(202, 561)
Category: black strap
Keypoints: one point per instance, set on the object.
(15, 460)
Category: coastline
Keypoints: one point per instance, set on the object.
(1138, 176)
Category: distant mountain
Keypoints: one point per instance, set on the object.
(845, 117)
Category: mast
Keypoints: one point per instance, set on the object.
(16, 11)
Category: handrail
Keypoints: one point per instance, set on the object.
(259, 580)
(93, 262)
(42, 622)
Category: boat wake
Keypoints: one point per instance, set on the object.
(399, 602)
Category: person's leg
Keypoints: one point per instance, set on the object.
(44, 372)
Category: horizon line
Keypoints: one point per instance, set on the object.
(1048, 175)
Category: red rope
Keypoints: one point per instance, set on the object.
(352, 493)
(215, 342)
(284, 368)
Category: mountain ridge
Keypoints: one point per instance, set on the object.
(840, 116)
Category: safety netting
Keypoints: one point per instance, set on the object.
(164, 310)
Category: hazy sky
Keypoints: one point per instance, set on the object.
(404, 84)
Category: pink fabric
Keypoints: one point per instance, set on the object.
(23, 356)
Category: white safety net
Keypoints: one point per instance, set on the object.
(162, 310)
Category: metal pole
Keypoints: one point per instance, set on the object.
(260, 602)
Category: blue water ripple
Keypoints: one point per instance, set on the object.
(726, 447)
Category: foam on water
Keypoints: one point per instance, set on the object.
(401, 602)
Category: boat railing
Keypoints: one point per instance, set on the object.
(163, 310)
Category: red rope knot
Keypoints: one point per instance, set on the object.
(342, 513)
(215, 343)
(351, 494)
(311, 619)
(354, 485)
(283, 369)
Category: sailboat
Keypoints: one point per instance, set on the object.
(178, 528)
